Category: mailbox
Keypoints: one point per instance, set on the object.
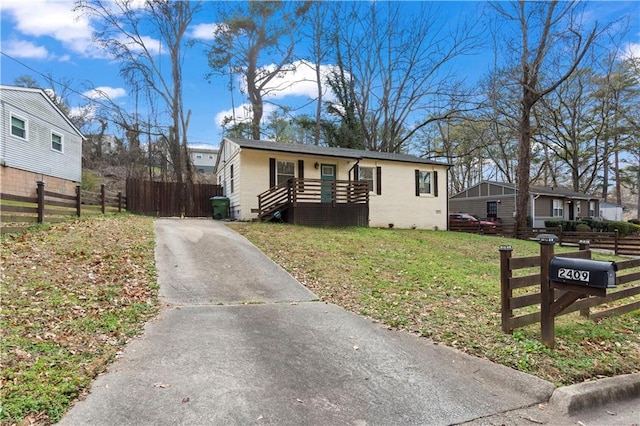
(586, 272)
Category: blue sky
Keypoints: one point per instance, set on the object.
(44, 37)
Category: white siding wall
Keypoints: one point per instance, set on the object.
(35, 154)
(230, 154)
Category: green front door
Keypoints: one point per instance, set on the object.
(328, 176)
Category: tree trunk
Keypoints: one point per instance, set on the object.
(524, 162)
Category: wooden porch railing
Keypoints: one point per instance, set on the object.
(281, 197)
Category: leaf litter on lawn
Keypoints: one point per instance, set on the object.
(444, 286)
(72, 295)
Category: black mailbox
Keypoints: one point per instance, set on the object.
(586, 272)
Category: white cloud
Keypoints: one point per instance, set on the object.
(24, 49)
(106, 92)
(204, 31)
(242, 114)
(300, 81)
(631, 50)
(38, 18)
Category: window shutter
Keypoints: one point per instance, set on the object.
(435, 183)
(379, 180)
(551, 202)
(301, 169)
(356, 173)
(272, 172)
(417, 183)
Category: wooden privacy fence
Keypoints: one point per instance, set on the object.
(522, 295)
(18, 211)
(170, 199)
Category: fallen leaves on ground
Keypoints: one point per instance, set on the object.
(72, 296)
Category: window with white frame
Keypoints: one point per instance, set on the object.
(56, 142)
(284, 171)
(425, 182)
(365, 174)
(558, 208)
(18, 127)
(592, 208)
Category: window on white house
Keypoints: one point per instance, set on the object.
(425, 182)
(231, 177)
(56, 142)
(592, 208)
(198, 156)
(366, 175)
(558, 208)
(284, 171)
(18, 127)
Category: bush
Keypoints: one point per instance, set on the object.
(90, 181)
(595, 225)
(624, 228)
(583, 227)
(634, 221)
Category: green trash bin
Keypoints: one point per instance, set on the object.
(220, 207)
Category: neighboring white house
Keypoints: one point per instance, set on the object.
(37, 143)
(404, 190)
(203, 159)
(611, 211)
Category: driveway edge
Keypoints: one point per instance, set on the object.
(571, 399)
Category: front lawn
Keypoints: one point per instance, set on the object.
(72, 295)
(445, 286)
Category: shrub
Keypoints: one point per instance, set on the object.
(634, 221)
(555, 223)
(90, 181)
(624, 228)
(583, 227)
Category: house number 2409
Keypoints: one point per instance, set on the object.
(573, 274)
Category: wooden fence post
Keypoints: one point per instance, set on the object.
(560, 231)
(40, 192)
(119, 202)
(584, 245)
(547, 242)
(78, 200)
(505, 289)
(102, 197)
(617, 234)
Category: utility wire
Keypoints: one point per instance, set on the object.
(71, 89)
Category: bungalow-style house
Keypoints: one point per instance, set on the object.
(497, 200)
(38, 143)
(308, 184)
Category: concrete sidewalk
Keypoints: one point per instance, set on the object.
(242, 342)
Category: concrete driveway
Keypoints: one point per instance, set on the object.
(242, 342)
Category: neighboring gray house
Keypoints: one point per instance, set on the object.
(497, 200)
(37, 143)
(204, 160)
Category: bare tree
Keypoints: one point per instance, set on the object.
(550, 43)
(126, 30)
(249, 41)
(399, 63)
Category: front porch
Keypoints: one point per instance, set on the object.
(318, 202)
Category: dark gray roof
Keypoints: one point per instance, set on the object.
(330, 152)
(548, 190)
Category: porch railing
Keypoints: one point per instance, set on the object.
(304, 190)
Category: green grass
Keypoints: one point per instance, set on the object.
(445, 286)
(72, 295)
